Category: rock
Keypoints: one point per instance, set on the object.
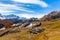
(35, 30)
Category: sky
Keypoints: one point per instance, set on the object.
(29, 8)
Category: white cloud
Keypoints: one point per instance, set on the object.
(30, 15)
(8, 8)
(39, 2)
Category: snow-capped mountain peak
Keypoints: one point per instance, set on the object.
(11, 16)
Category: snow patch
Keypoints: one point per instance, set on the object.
(2, 28)
(29, 25)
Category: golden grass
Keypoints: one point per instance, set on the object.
(52, 32)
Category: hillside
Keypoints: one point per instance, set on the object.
(51, 16)
(49, 30)
(52, 32)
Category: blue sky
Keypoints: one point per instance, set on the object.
(29, 8)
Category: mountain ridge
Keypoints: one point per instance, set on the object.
(11, 16)
(51, 16)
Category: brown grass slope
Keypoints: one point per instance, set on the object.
(51, 25)
(52, 32)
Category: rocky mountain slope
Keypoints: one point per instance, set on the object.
(50, 24)
(51, 16)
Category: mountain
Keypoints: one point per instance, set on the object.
(11, 16)
(51, 16)
(2, 17)
(51, 32)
